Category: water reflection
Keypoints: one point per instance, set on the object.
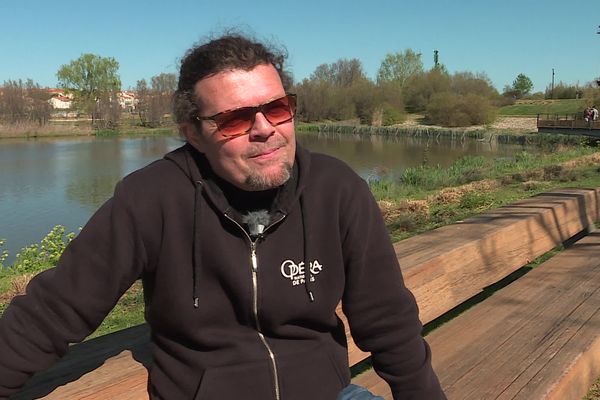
(367, 154)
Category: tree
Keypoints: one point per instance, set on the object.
(475, 83)
(399, 67)
(94, 81)
(522, 85)
(24, 102)
(164, 83)
(342, 73)
(155, 102)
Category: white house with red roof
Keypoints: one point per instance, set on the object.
(127, 99)
(60, 100)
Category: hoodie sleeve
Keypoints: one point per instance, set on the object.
(65, 304)
(381, 311)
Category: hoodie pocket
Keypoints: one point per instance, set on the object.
(314, 375)
(240, 381)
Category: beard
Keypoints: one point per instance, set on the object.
(265, 181)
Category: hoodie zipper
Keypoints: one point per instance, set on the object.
(254, 263)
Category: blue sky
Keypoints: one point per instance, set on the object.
(499, 38)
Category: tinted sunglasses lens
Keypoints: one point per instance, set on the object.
(235, 122)
(239, 122)
(280, 110)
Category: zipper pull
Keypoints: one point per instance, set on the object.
(253, 258)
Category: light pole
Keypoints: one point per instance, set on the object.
(552, 87)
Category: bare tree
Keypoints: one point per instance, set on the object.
(155, 103)
(24, 102)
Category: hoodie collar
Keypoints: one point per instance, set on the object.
(197, 168)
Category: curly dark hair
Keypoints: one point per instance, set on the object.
(231, 51)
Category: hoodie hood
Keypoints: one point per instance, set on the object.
(206, 183)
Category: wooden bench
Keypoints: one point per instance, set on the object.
(473, 356)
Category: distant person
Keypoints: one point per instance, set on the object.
(594, 113)
(245, 243)
(587, 114)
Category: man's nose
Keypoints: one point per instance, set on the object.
(262, 128)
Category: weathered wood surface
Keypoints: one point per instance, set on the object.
(449, 265)
(538, 338)
(443, 268)
(108, 367)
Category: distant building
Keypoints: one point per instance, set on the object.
(127, 100)
(60, 100)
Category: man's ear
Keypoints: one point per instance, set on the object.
(192, 135)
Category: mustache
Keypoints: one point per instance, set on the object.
(260, 148)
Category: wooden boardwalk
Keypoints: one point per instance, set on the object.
(568, 124)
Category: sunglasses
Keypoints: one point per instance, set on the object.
(238, 122)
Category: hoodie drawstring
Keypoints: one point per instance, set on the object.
(308, 279)
(196, 251)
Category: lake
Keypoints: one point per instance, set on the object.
(62, 181)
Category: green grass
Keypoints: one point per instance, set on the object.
(418, 182)
(534, 107)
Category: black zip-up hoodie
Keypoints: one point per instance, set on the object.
(232, 317)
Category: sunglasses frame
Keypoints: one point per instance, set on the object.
(289, 97)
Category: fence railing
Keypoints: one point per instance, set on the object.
(566, 121)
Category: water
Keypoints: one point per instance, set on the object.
(62, 181)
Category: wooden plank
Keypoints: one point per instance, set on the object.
(538, 338)
(120, 377)
(449, 265)
(446, 266)
(93, 364)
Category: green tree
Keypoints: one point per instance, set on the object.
(399, 67)
(94, 82)
(522, 85)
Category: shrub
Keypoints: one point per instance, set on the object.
(391, 115)
(38, 257)
(420, 88)
(3, 254)
(449, 109)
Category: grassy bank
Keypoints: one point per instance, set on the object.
(82, 127)
(534, 107)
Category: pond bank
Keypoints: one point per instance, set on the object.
(77, 128)
(61, 128)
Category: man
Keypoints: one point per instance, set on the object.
(245, 243)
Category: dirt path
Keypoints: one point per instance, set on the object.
(510, 124)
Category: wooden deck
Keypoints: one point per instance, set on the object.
(568, 124)
(443, 268)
